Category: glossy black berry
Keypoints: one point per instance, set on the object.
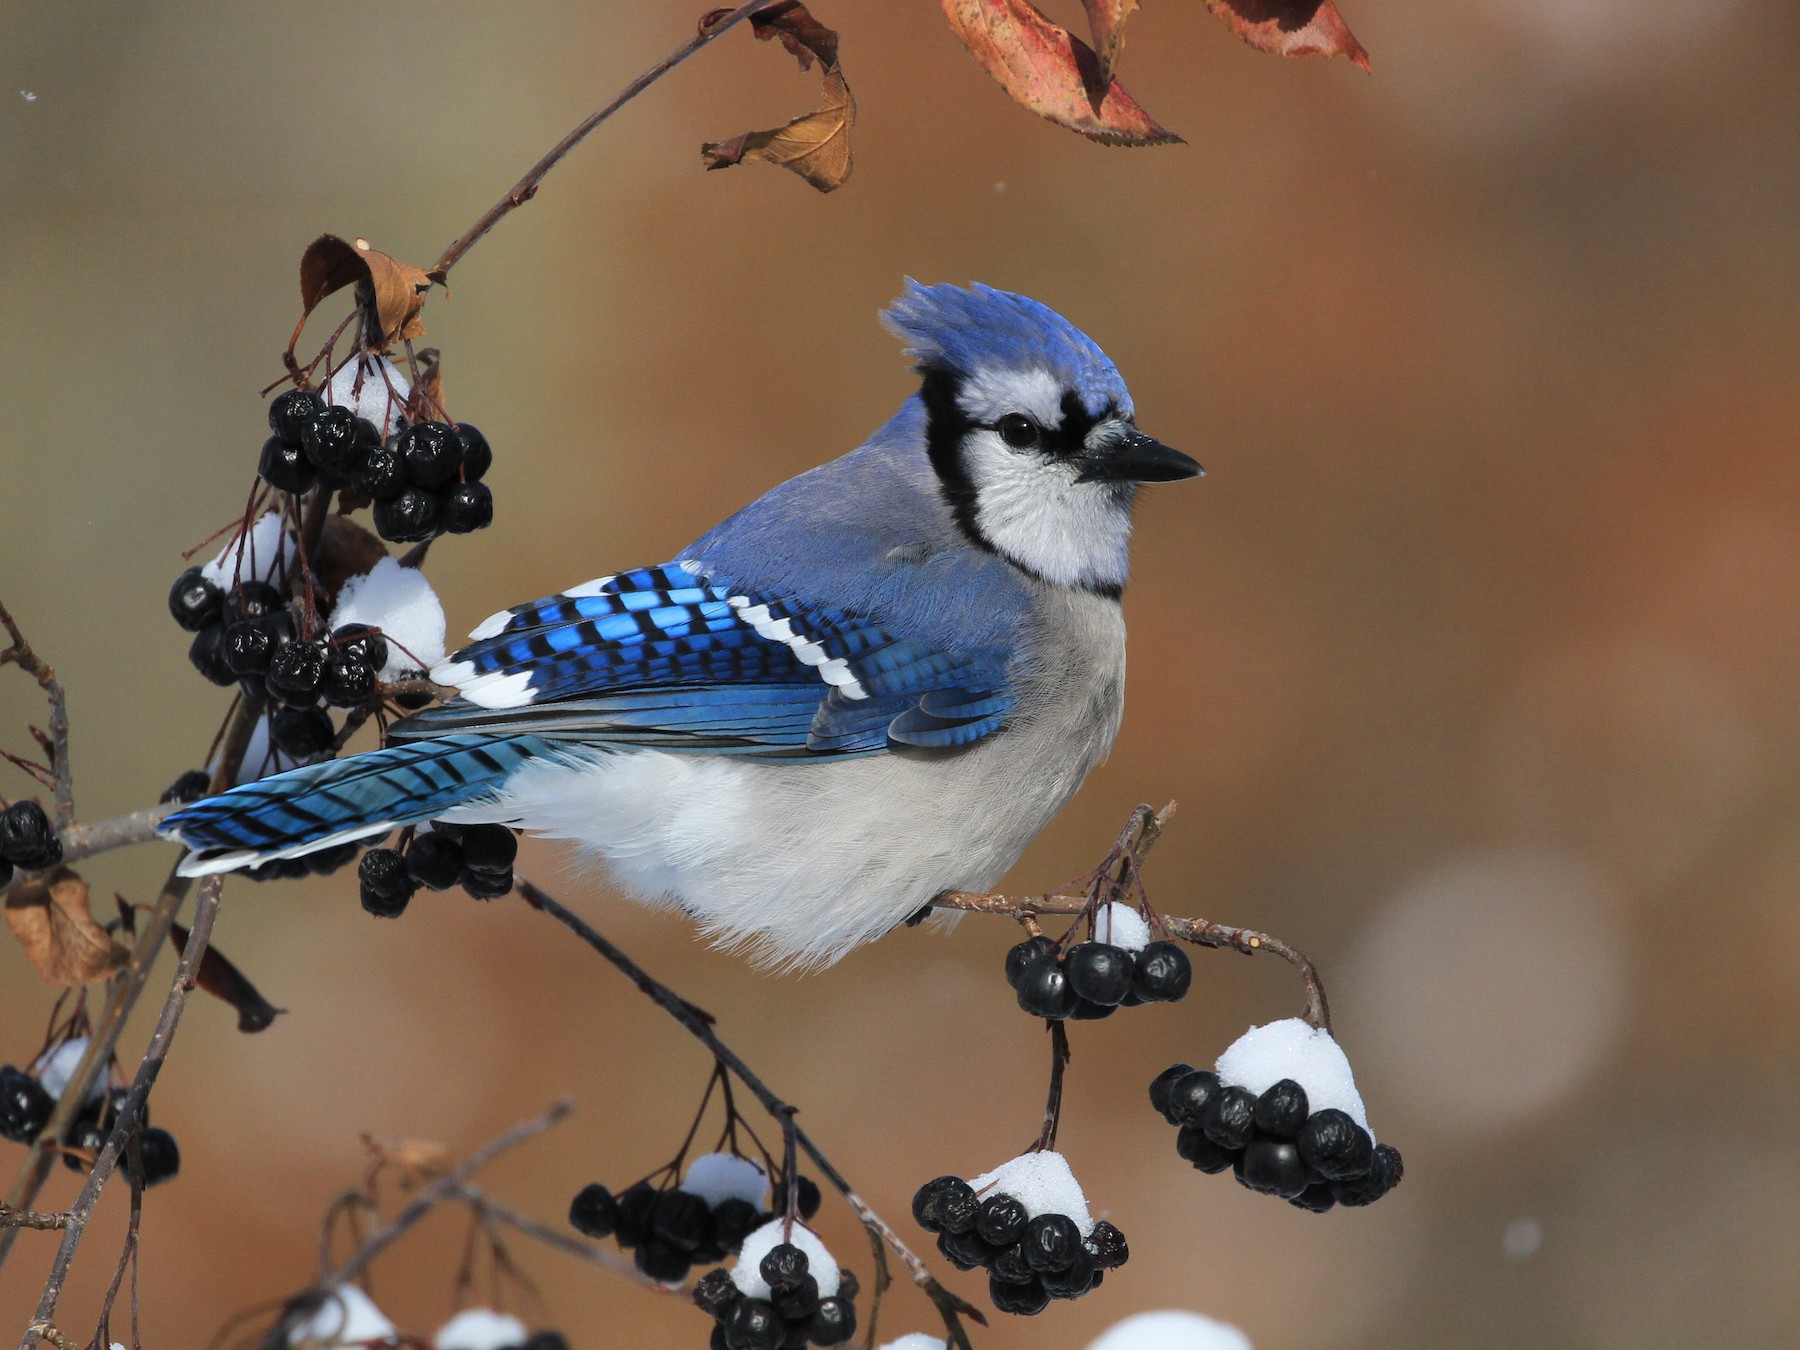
(322, 862)
(662, 1261)
(86, 1138)
(593, 1211)
(25, 1105)
(409, 518)
(1022, 1300)
(1189, 1095)
(296, 671)
(256, 600)
(1051, 1242)
(1009, 1264)
(782, 1265)
(945, 1205)
(1229, 1116)
(249, 646)
(1001, 1220)
(477, 454)
(486, 885)
(26, 839)
(834, 1323)
(379, 475)
(1161, 973)
(1282, 1110)
(432, 454)
(733, 1220)
(301, 733)
(159, 1155)
(635, 1207)
(1318, 1198)
(1073, 1280)
(1273, 1166)
(286, 467)
(489, 848)
(290, 414)
(715, 1293)
(1107, 1245)
(206, 653)
(386, 884)
(435, 860)
(467, 507)
(1335, 1146)
(362, 643)
(1193, 1146)
(6, 874)
(1162, 1085)
(1044, 991)
(1028, 953)
(332, 442)
(681, 1219)
(808, 1199)
(1100, 972)
(194, 601)
(753, 1325)
(1385, 1171)
(348, 681)
(1086, 1010)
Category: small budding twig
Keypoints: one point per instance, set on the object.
(21, 655)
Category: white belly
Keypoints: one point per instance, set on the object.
(799, 862)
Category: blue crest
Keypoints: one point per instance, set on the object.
(984, 329)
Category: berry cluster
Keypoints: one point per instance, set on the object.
(789, 1304)
(1030, 1258)
(1274, 1141)
(424, 482)
(1086, 981)
(26, 841)
(479, 858)
(25, 1107)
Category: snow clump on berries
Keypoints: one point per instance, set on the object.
(347, 1317)
(373, 388)
(747, 1274)
(717, 1177)
(480, 1329)
(1043, 1183)
(1171, 1330)
(399, 601)
(917, 1340)
(1122, 926)
(54, 1069)
(266, 548)
(1264, 1055)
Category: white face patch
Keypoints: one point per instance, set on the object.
(1030, 508)
(988, 395)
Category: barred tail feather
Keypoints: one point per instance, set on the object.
(319, 806)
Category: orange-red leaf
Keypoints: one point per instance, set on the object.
(395, 290)
(1051, 71)
(1106, 21)
(817, 145)
(49, 915)
(1291, 27)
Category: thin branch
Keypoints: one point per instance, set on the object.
(552, 1237)
(21, 655)
(26, 1218)
(526, 188)
(206, 908)
(950, 1307)
(84, 841)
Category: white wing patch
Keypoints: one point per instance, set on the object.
(834, 671)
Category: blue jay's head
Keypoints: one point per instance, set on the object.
(1031, 432)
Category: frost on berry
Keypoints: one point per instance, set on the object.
(1121, 926)
(1044, 1183)
(1265, 1055)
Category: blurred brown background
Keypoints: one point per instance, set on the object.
(1472, 663)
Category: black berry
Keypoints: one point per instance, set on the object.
(257, 600)
(249, 645)
(190, 787)
(796, 1302)
(662, 1261)
(1385, 1171)
(1009, 1264)
(333, 442)
(753, 1325)
(1282, 1110)
(1273, 1166)
(1193, 1146)
(965, 1251)
(1335, 1146)
(194, 601)
(410, 517)
(1086, 1010)
(1073, 1280)
(322, 862)
(1162, 973)
(1318, 1198)
(1044, 991)
(593, 1211)
(946, 1205)
(25, 1105)
(1189, 1095)
(1027, 954)
(386, 884)
(159, 1155)
(467, 507)
(290, 413)
(435, 860)
(489, 848)
(206, 653)
(296, 671)
(477, 454)
(715, 1293)
(783, 1265)
(545, 1340)
(348, 681)
(733, 1220)
(301, 733)
(635, 1208)
(834, 1322)
(361, 642)
(1107, 1244)
(432, 454)
(1228, 1117)
(26, 839)
(1023, 1300)
(809, 1199)
(378, 475)
(486, 885)
(286, 467)
(1051, 1242)
(681, 1219)
(1162, 1085)
(1100, 972)
(1001, 1220)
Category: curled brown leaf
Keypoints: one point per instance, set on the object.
(1051, 71)
(817, 145)
(1291, 27)
(392, 292)
(1106, 21)
(224, 981)
(50, 917)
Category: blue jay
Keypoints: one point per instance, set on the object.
(875, 683)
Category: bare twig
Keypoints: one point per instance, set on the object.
(526, 188)
(83, 841)
(21, 655)
(26, 1218)
(206, 908)
(950, 1307)
(552, 1237)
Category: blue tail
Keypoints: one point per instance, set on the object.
(320, 805)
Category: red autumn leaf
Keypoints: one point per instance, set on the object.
(817, 145)
(1051, 71)
(1106, 20)
(1291, 27)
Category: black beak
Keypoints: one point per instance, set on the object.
(1139, 459)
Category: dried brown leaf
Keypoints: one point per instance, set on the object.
(414, 1161)
(1291, 27)
(49, 915)
(817, 145)
(393, 290)
(1106, 21)
(224, 981)
(1051, 71)
(345, 550)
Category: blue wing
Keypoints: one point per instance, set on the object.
(661, 657)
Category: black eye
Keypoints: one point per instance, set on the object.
(1018, 431)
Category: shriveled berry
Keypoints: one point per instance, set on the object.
(1001, 1220)
(432, 454)
(190, 787)
(1075, 1279)
(965, 1251)
(1193, 1146)
(206, 653)
(489, 848)
(1162, 1085)
(1009, 1264)
(715, 1293)
(256, 600)
(733, 1220)
(1273, 1166)
(385, 883)
(931, 1199)
(296, 671)
(681, 1219)
(410, 517)
(1282, 1109)
(1229, 1116)
(783, 1265)
(477, 454)
(1044, 991)
(362, 643)
(1051, 1242)
(629, 1214)
(301, 733)
(753, 1325)
(194, 601)
(1335, 1146)
(160, 1156)
(796, 1302)
(1317, 1197)
(662, 1261)
(291, 412)
(1107, 1245)
(249, 646)
(1385, 1171)
(25, 1105)
(348, 681)
(1028, 953)
(467, 507)
(1189, 1095)
(378, 475)
(331, 440)
(834, 1323)
(1022, 1300)
(285, 467)
(1100, 972)
(486, 885)
(26, 839)
(435, 860)
(1161, 973)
